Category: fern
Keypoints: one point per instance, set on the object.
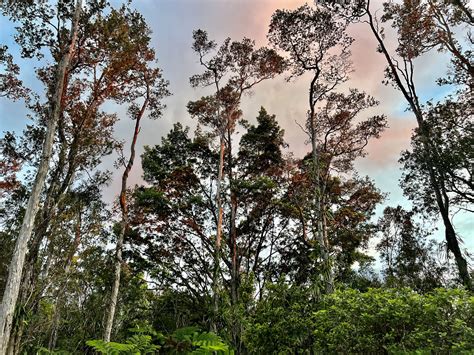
(113, 348)
(210, 342)
(200, 342)
(143, 344)
(44, 351)
(189, 340)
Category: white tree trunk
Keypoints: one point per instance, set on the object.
(15, 270)
(217, 251)
(124, 224)
(115, 287)
(321, 228)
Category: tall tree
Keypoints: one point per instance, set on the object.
(235, 68)
(401, 73)
(150, 88)
(260, 182)
(173, 218)
(104, 67)
(421, 26)
(16, 267)
(317, 43)
(407, 256)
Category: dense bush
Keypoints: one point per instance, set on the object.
(281, 321)
(395, 320)
(376, 321)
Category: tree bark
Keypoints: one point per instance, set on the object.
(409, 92)
(53, 337)
(123, 226)
(12, 287)
(234, 272)
(234, 283)
(217, 251)
(321, 228)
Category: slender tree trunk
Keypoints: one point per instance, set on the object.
(321, 229)
(409, 93)
(234, 272)
(15, 342)
(327, 259)
(450, 234)
(123, 226)
(53, 337)
(217, 251)
(55, 194)
(30, 294)
(12, 287)
(233, 227)
(233, 245)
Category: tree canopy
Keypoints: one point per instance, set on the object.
(231, 241)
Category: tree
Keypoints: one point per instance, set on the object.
(421, 26)
(408, 258)
(150, 88)
(173, 218)
(12, 288)
(310, 37)
(104, 67)
(350, 204)
(244, 67)
(401, 74)
(260, 182)
(451, 132)
(350, 228)
(316, 42)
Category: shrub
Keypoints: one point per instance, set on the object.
(395, 320)
(281, 321)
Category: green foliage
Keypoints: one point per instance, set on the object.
(290, 319)
(44, 351)
(408, 257)
(395, 320)
(111, 347)
(282, 320)
(142, 341)
(450, 128)
(189, 340)
(260, 147)
(272, 202)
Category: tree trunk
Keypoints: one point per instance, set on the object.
(453, 246)
(321, 229)
(234, 272)
(123, 226)
(12, 286)
(30, 294)
(437, 185)
(60, 293)
(233, 227)
(217, 251)
(327, 259)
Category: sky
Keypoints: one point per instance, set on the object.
(172, 23)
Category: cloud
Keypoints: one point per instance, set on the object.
(386, 150)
